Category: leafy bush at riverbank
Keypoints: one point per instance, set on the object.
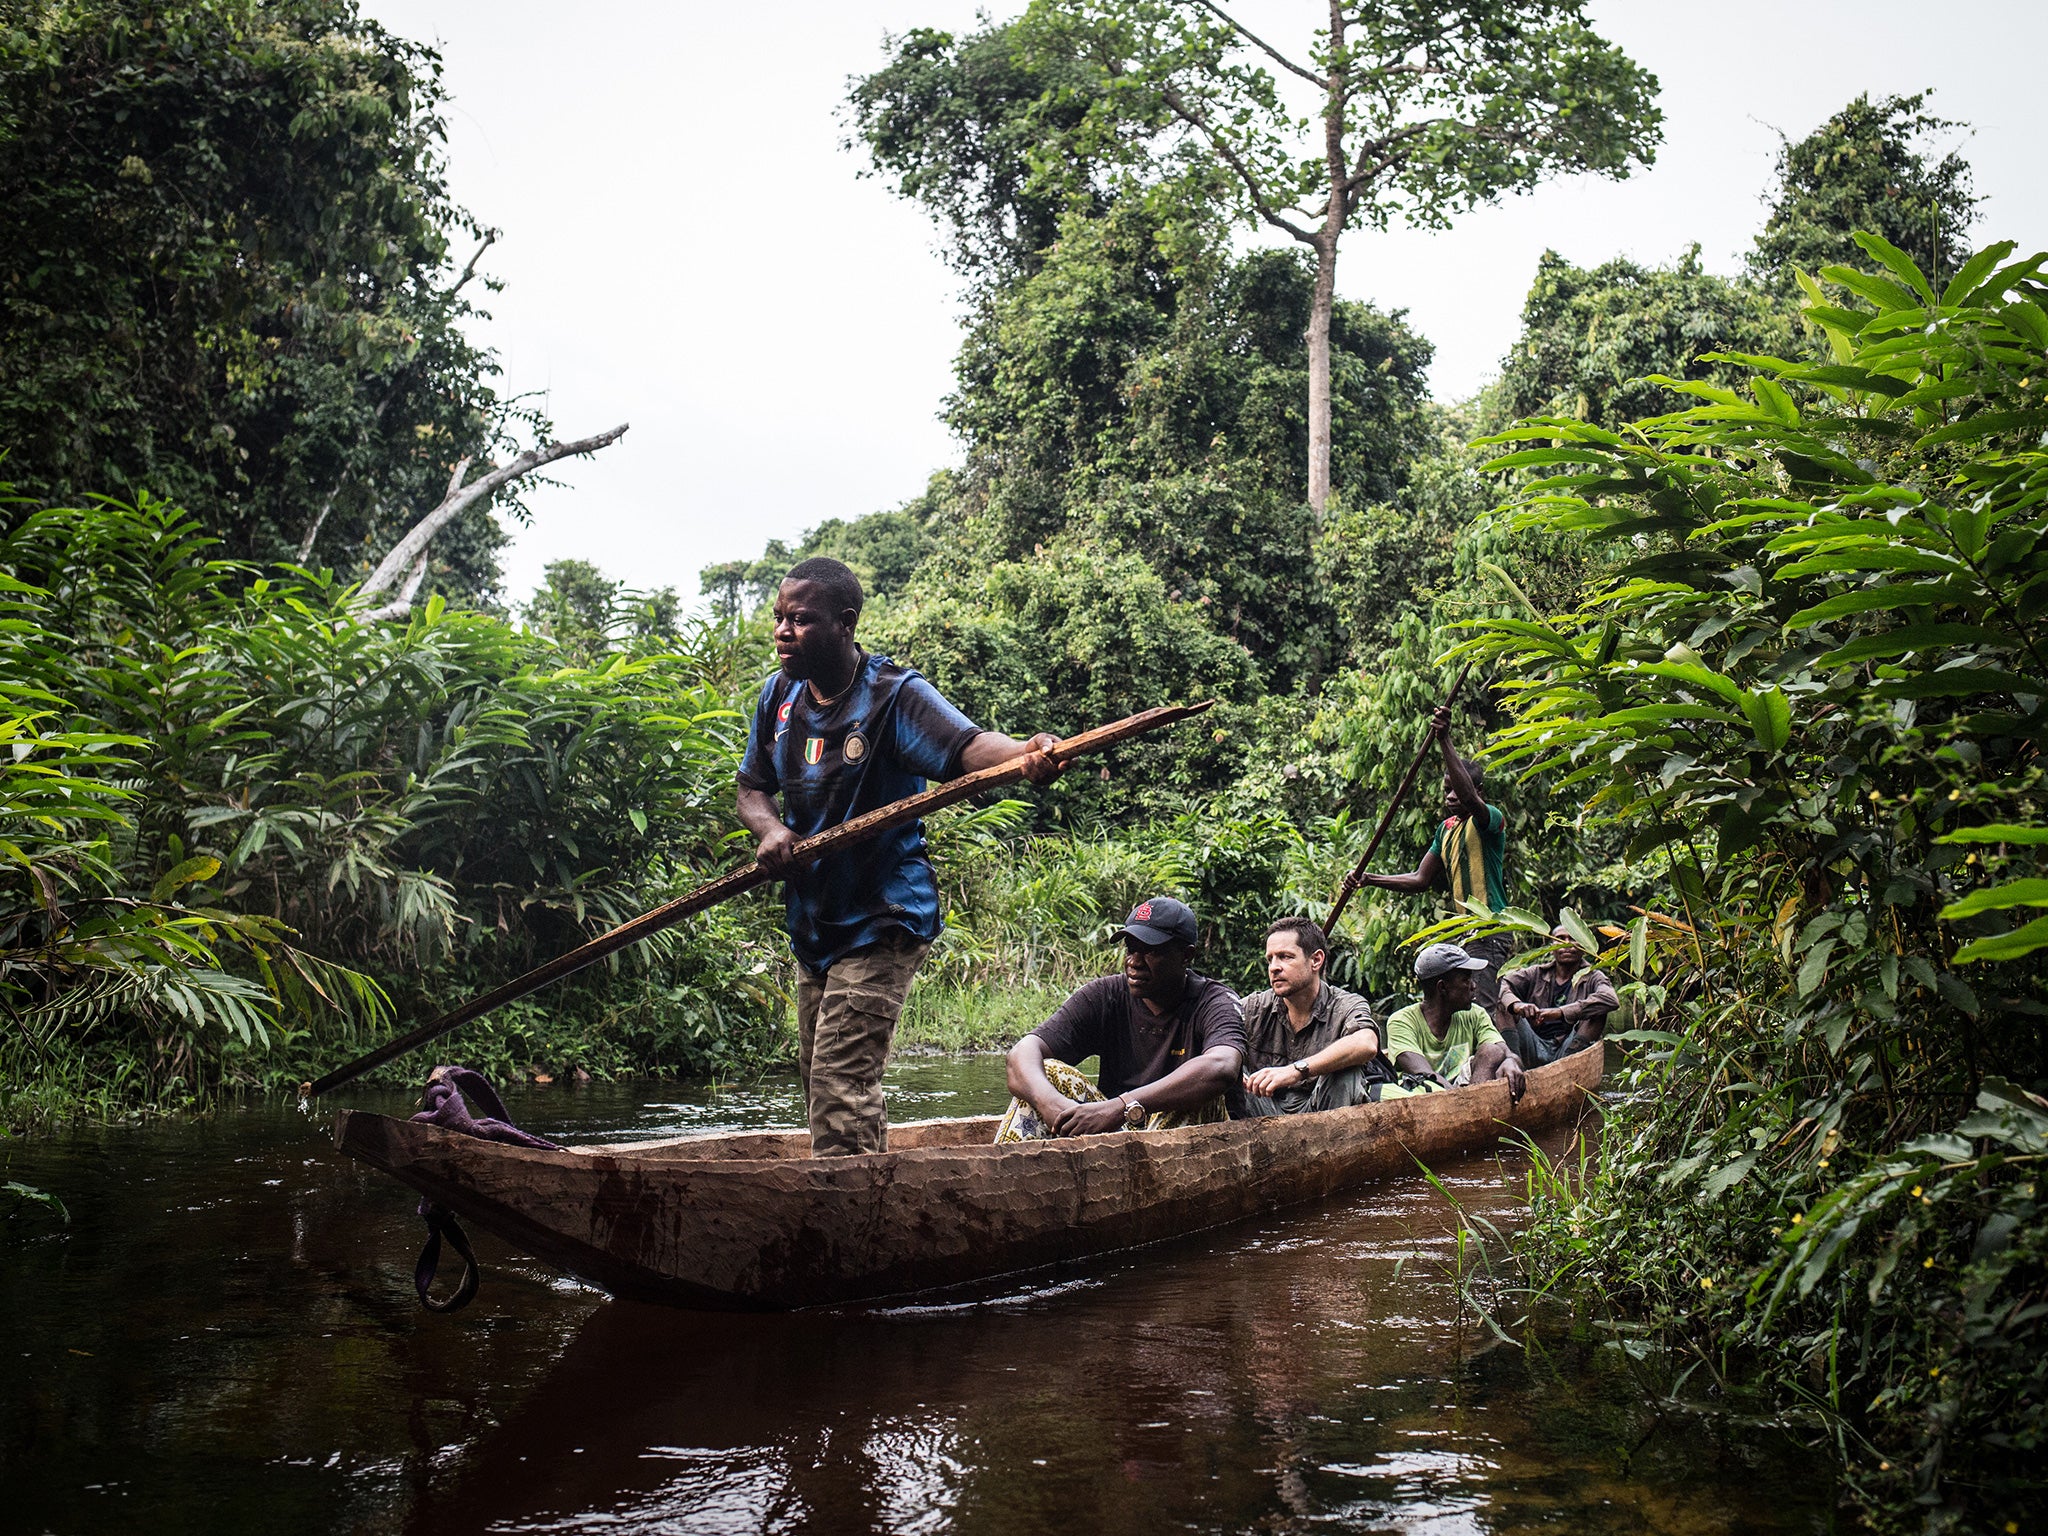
(1814, 686)
(245, 828)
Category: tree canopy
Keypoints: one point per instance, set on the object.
(227, 276)
(1594, 339)
(1866, 168)
(1409, 110)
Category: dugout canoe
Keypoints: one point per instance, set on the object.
(752, 1222)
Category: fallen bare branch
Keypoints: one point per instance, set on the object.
(401, 605)
(460, 498)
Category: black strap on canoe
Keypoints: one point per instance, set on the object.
(441, 1224)
(447, 1109)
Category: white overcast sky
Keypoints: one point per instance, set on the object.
(687, 247)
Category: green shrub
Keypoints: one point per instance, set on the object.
(232, 803)
(1812, 689)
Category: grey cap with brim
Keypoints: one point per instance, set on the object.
(1442, 959)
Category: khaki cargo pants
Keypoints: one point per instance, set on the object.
(845, 1019)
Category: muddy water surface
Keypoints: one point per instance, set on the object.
(224, 1339)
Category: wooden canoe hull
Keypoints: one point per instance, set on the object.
(752, 1222)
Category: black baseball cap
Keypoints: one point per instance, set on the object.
(1162, 920)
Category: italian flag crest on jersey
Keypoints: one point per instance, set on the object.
(814, 750)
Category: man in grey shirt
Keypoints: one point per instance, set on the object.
(1311, 1046)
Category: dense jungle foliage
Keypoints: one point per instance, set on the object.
(246, 829)
(225, 278)
(1811, 682)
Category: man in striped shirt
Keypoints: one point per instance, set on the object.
(1468, 855)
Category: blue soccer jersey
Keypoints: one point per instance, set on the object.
(876, 743)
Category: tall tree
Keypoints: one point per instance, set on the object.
(1868, 167)
(1418, 110)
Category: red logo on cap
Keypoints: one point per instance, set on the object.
(1142, 914)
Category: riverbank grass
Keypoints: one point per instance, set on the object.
(940, 1017)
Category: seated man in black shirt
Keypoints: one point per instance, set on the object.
(1171, 1042)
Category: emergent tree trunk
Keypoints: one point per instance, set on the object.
(1325, 245)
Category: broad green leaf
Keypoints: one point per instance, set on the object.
(202, 867)
(1901, 265)
(1974, 271)
(1770, 718)
(1871, 558)
(1774, 400)
(1915, 637)
(1848, 323)
(638, 817)
(2027, 318)
(1887, 295)
(1996, 832)
(2006, 946)
(1904, 594)
(1956, 683)
(2020, 424)
(1853, 378)
(1950, 1149)
(1728, 1176)
(1586, 939)
(1687, 672)
(2014, 893)
(1814, 968)
(1531, 457)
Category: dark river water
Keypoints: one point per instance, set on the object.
(224, 1338)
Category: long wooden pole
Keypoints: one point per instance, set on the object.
(745, 878)
(1356, 878)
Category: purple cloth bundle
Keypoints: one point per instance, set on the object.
(447, 1108)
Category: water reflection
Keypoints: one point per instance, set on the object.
(227, 1340)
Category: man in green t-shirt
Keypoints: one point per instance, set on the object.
(1443, 1041)
(1468, 854)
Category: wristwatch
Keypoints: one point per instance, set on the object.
(1135, 1114)
(1301, 1073)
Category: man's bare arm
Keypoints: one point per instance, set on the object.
(1494, 1059)
(1357, 1049)
(1425, 876)
(1414, 1064)
(1511, 991)
(1353, 1050)
(992, 748)
(1025, 1070)
(758, 813)
(1191, 1083)
(1195, 1081)
(1455, 772)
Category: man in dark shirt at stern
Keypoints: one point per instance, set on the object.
(1171, 1042)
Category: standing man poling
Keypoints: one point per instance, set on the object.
(838, 732)
(1309, 1045)
(1469, 854)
